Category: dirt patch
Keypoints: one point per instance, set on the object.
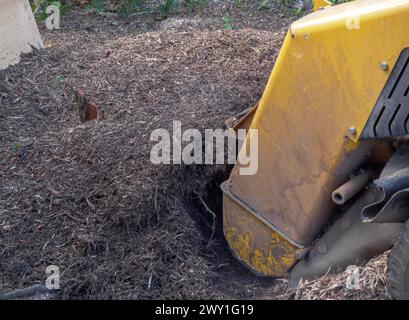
(371, 284)
(243, 14)
(187, 24)
(86, 197)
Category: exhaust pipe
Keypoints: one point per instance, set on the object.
(351, 188)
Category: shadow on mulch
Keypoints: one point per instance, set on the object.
(86, 197)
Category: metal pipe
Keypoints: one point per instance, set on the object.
(351, 188)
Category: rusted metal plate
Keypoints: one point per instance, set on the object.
(254, 243)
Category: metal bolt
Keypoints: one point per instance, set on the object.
(352, 131)
(384, 66)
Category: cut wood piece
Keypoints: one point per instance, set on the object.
(18, 31)
(87, 111)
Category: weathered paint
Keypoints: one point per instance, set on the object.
(327, 79)
(256, 245)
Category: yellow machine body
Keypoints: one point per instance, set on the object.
(320, 4)
(326, 81)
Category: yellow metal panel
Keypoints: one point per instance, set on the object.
(318, 4)
(327, 79)
(253, 243)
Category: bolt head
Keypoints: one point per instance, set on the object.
(352, 131)
(384, 66)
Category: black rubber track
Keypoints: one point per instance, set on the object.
(398, 266)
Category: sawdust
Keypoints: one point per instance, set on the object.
(85, 197)
(371, 284)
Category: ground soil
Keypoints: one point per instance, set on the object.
(86, 197)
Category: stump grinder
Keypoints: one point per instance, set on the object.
(332, 185)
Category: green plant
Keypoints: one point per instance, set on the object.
(16, 147)
(166, 8)
(228, 22)
(287, 3)
(39, 8)
(128, 7)
(99, 5)
(265, 5)
(297, 7)
(238, 3)
(298, 12)
(195, 4)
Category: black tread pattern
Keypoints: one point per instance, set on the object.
(390, 116)
(398, 266)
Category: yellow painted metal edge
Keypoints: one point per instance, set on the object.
(258, 215)
(319, 4)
